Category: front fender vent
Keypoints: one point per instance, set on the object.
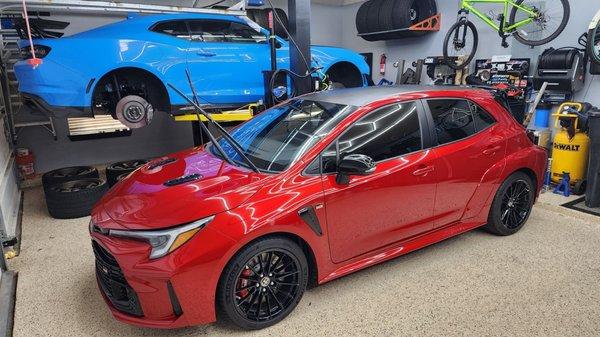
(183, 180)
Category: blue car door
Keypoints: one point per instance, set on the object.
(226, 60)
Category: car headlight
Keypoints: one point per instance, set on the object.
(166, 240)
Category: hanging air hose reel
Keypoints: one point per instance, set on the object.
(564, 70)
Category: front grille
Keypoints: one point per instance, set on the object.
(113, 283)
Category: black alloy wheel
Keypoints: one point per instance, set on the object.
(75, 198)
(512, 205)
(76, 185)
(263, 283)
(267, 285)
(515, 204)
(67, 174)
(122, 168)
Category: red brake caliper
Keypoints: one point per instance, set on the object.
(244, 283)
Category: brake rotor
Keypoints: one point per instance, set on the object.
(134, 112)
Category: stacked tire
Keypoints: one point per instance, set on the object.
(385, 17)
(261, 17)
(116, 172)
(72, 192)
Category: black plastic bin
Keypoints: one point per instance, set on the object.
(592, 195)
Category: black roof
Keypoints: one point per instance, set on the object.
(365, 95)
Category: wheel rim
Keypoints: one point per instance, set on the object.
(128, 165)
(76, 185)
(71, 172)
(267, 285)
(460, 45)
(546, 22)
(515, 204)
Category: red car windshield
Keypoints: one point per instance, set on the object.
(278, 137)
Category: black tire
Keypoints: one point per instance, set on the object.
(67, 174)
(114, 170)
(238, 278)
(519, 37)
(373, 16)
(402, 12)
(75, 198)
(361, 17)
(386, 18)
(593, 44)
(512, 205)
(449, 43)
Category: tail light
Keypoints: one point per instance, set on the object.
(40, 52)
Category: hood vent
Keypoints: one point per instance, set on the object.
(183, 180)
(160, 163)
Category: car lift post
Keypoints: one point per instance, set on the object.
(299, 28)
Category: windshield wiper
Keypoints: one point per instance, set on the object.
(236, 146)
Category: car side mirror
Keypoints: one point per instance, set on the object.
(354, 165)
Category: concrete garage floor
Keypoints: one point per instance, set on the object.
(541, 282)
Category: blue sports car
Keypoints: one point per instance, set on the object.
(100, 70)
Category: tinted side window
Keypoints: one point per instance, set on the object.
(386, 133)
(483, 119)
(224, 31)
(173, 28)
(453, 119)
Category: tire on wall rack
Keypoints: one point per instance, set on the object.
(387, 15)
(67, 174)
(114, 170)
(75, 198)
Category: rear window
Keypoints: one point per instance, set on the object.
(456, 119)
(224, 31)
(176, 28)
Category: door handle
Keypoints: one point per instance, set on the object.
(423, 171)
(491, 150)
(205, 53)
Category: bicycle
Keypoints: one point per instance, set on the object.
(593, 39)
(531, 22)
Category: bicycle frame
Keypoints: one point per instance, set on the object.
(508, 4)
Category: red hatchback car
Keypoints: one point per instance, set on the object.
(338, 181)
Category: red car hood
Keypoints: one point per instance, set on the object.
(143, 201)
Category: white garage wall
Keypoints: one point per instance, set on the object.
(412, 49)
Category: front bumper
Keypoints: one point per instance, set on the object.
(174, 291)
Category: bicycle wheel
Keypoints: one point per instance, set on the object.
(593, 43)
(550, 20)
(460, 44)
